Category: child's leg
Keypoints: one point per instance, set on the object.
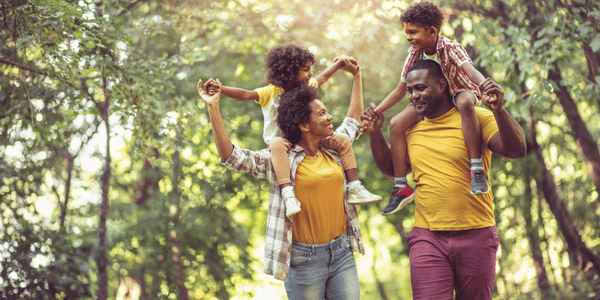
(343, 145)
(402, 193)
(465, 102)
(279, 148)
(357, 193)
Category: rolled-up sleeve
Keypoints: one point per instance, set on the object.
(350, 127)
(257, 163)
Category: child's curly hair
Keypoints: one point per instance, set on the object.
(424, 13)
(284, 63)
(294, 110)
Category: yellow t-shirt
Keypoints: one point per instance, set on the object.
(442, 173)
(320, 190)
(268, 98)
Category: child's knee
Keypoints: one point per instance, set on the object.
(279, 144)
(403, 121)
(337, 142)
(342, 139)
(465, 101)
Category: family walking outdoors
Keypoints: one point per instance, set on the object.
(444, 137)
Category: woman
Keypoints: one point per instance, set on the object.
(312, 251)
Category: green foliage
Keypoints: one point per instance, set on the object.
(177, 214)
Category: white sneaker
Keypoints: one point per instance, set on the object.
(292, 206)
(360, 195)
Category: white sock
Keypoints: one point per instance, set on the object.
(288, 192)
(400, 182)
(354, 184)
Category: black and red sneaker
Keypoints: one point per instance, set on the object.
(400, 197)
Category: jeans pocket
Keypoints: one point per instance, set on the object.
(345, 243)
(300, 256)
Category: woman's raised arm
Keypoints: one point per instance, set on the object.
(220, 135)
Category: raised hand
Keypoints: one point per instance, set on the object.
(204, 91)
(372, 119)
(493, 94)
(349, 64)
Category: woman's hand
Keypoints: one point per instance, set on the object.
(210, 92)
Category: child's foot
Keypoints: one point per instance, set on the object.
(400, 197)
(360, 195)
(479, 182)
(292, 206)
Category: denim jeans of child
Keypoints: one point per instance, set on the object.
(325, 271)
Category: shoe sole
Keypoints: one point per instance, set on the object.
(401, 205)
(374, 201)
(480, 192)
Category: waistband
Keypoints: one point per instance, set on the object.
(334, 244)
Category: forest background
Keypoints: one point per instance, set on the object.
(111, 187)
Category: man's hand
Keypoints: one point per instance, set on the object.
(493, 94)
(372, 119)
(210, 92)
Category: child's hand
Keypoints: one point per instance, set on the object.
(213, 86)
(350, 65)
(493, 94)
(203, 91)
(366, 125)
(372, 119)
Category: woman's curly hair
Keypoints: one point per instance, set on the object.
(294, 110)
(424, 13)
(284, 63)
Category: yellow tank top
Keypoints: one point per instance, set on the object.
(320, 190)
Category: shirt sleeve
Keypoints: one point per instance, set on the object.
(350, 127)
(256, 163)
(458, 54)
(410, 60)
(266, 93)
(489, 127)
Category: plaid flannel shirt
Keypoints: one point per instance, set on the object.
(451, 56)
(278, 244)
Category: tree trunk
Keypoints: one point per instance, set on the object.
(579, 253)
(176, 242)
(533, 236)
(102, 259)
(582, 136)
(64, 205)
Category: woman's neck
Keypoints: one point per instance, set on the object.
(310, 145)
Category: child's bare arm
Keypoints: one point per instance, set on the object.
(393, 98)
(474, 75)
(338, 62)
(237, 93)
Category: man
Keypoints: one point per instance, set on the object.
(453, 243)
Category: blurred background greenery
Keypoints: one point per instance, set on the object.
(111, 187)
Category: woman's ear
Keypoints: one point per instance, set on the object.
(303, 127)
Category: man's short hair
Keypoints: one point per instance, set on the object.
(294, 110)
(433, 68)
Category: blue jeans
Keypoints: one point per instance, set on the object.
(325, 271)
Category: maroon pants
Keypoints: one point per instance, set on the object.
(445, 261)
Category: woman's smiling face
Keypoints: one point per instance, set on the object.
(321, 122)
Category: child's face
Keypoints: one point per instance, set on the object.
(304, 74)
(421, 38)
